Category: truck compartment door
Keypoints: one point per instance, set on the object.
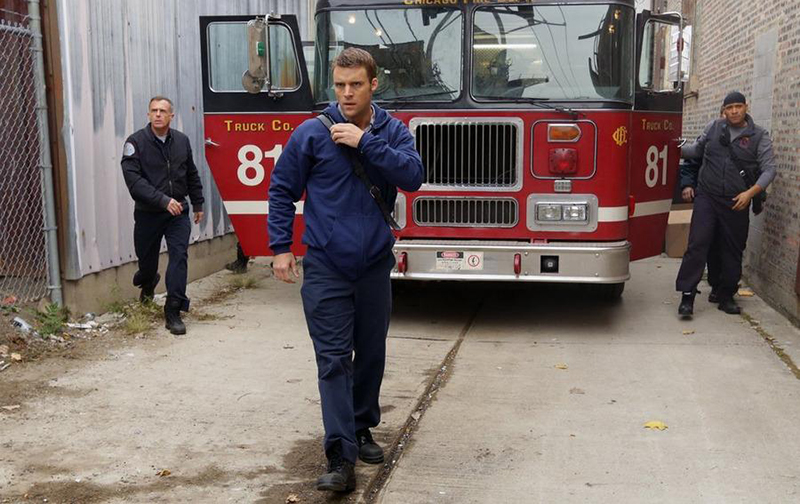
(246, 130)
(655, 130)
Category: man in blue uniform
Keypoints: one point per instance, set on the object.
(160, 173)
(346, 286)
(738, 164)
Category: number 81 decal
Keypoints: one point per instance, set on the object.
(250, 171)
(651, 173)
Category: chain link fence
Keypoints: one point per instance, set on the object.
(23, 258)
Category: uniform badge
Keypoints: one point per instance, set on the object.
(129, 149)
(744, 142)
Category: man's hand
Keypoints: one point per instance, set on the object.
(688, 193)
(198, 216)
(743, 198)
(174, 207)
(284, 265)
(346, 134)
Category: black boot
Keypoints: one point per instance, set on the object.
(237, 266)
(341, 476)
(172, 317)
(368, 449)
(240, 264)
(728, 305)
(713, 297)
(148, 290)
(686, 308)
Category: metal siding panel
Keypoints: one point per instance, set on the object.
(116, 54)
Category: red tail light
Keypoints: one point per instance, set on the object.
(563, 161)
(402, 262)
(631, 205)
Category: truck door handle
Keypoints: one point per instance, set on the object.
(211, 142)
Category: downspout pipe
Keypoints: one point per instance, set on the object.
(45, 159)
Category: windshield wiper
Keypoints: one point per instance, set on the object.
(541, 103)
(411, 97)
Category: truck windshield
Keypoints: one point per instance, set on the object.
(418, 51)
(553, 52)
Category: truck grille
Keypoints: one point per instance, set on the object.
(463, 153)
(466, 212)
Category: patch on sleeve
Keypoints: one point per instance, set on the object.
(129, 149)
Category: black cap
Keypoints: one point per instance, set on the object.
(733, 97)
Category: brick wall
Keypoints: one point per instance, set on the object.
(754, 47)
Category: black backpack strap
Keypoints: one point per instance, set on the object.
(326, 120)
(374, 191)
(749, 177)
(358, 170)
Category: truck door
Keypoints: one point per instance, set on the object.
(655, 130)
(249, 120)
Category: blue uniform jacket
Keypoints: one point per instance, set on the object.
(341, 218)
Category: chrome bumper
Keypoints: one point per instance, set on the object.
(602, 262)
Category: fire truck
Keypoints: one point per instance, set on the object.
(548, 130)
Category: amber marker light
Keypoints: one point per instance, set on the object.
(563, 133)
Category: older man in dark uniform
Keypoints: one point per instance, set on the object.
(738, 164)
(160, 173)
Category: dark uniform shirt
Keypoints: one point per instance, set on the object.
(157, 171)
(719, 174)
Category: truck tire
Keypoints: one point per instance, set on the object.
(611, 292)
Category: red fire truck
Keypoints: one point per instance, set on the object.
(548, 130)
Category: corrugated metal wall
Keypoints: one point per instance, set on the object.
(115, 55)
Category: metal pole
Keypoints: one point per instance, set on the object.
(45, 160)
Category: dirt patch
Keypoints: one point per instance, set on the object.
(71, 344)
(46, 469)
(79, 345)
(65, 492)
(303, 465)
(203, 316)
(80, 492)
(26, 345)
(45, 361)
(305, 494)
(18, 391)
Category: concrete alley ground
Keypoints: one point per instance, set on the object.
(493, 393)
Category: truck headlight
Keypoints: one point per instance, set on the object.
(575, 212)
(548, 211)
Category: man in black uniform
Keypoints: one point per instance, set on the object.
(738, 164)
(159, 171)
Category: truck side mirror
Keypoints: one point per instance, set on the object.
(257, 74)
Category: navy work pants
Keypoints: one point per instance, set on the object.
(714, 225)
(148, 230)
(713, 264)
(348, 321)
